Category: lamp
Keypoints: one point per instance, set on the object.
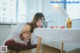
(58, 14)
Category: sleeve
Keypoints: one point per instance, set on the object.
(12, 45)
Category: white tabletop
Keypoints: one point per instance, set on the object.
(58, 34)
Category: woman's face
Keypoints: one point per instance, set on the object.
(26, 32)
(39, 23)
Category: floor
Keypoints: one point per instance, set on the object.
(77, 50)
(43, 49)
(46, 49)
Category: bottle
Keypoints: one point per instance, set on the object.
(69, 23)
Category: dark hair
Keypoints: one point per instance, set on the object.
(37, 16)
(31, 30)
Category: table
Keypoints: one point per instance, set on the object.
(71, 35)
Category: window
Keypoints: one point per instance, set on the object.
(7, 10)
(13, 11)
(22, 11)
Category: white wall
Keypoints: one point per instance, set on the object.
(32, 8)
(5, 30)
(76, 23)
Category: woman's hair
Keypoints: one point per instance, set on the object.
(37, 16)
(31, 30)
(29, 25)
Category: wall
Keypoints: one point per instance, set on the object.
(5, 30)
(76, 23)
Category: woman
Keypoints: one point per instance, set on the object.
(38, 20)
(20, 38)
